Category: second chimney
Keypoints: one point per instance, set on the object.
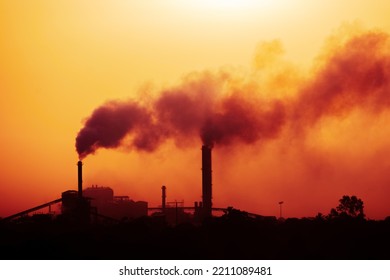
(206, 181)
(80, 178)
(164, 196)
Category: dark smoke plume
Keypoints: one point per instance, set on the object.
(241, 121)
(222, 122)
(110, 123)
(356, 74)
(191, 111)
(210, 108)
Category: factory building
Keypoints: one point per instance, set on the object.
(78, 206)
(117, 207)
(74, 208)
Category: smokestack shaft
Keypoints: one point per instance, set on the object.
(80, 178)
(164, 196)
(206, 180)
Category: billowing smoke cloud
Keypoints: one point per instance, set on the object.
(179, 114)
(356, 74)
(109, 125)
(215, 109)
(223, 122)
(241, 120)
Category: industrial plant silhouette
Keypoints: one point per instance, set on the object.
(96, 224)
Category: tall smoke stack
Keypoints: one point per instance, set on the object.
(164, 196)
(80, 178)
(206, 181)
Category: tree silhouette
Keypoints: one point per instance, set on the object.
(350, 206)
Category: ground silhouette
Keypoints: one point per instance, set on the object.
(235, 235)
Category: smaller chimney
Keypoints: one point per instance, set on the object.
(80, 178)
(164, 196)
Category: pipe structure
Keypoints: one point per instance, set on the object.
(23, 213)
(164, 197)
(206, 181)
(80, 178)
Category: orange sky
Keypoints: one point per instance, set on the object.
(59, 60)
